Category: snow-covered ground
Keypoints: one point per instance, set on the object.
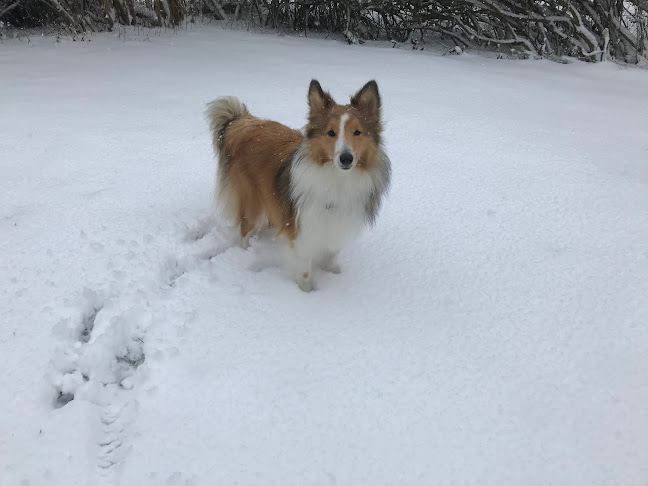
(491, 329)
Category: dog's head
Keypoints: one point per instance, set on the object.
(347, 136)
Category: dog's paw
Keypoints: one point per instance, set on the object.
(245, 242)
(331, 267)
(305, 284)
(330, 263)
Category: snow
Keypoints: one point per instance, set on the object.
(491, 329)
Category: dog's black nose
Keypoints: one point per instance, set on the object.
(346, 159)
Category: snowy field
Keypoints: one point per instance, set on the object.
(492, 329)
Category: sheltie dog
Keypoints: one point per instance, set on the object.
(318, 188)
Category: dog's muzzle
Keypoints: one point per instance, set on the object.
(346, 160)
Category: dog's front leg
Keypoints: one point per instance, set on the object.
(303, 270)
(330, 262)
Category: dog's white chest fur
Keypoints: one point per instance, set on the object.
(327, 226)
(331, 206)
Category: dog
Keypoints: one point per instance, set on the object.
(318, 188)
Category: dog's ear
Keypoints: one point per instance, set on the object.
(318, 99)
(367, 100)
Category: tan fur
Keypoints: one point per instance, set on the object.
(256, 149)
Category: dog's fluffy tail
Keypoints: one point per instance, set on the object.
(220, 113)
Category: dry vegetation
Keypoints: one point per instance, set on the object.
(591, 30)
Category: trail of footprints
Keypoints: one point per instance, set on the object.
(97, 364)
(103, 345)
(106, 348)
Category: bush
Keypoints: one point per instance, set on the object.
(586, 29)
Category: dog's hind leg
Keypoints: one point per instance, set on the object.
(249, 216)
(246, 232)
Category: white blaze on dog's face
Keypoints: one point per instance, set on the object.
(346, 136)
(343, 155)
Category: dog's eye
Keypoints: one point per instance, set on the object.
(356, 133)
(331, 133)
